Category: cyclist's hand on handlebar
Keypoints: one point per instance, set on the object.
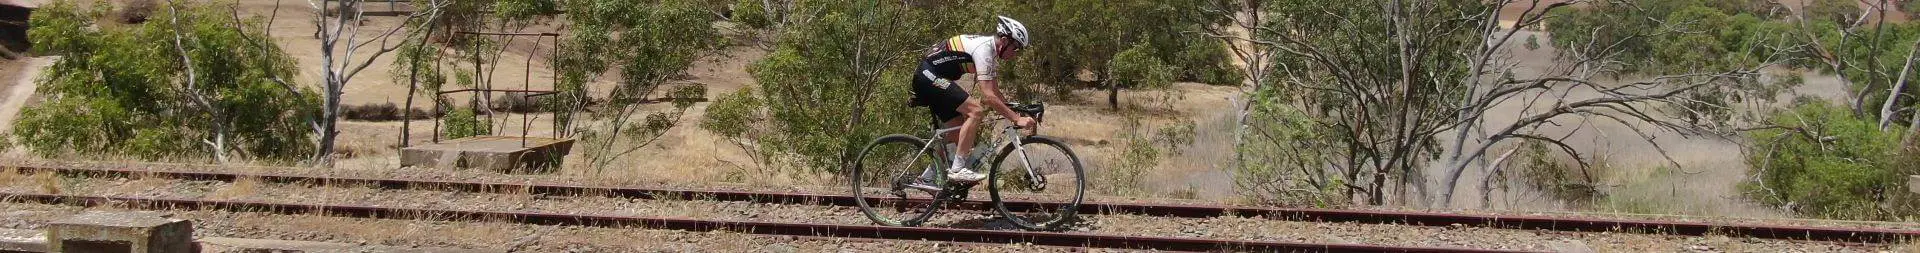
(1024, 122)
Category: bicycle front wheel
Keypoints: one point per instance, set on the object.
(883, 178)
(1043, 178)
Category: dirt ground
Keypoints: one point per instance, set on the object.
(17, 86)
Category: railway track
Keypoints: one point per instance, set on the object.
(747, 227)
(1857, 235)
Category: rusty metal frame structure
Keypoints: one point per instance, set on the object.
(526, 124)
(1529, 222)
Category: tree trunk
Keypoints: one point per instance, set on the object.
(1899, 85)
(413, 87)
(1113, 96)
(1913, 128)
(329, 119)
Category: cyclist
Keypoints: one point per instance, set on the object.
(947, 61)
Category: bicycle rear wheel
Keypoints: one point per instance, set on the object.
(880, 177)
(1050, 195)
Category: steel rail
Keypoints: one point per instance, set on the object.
(1530, 222)
(747, 227)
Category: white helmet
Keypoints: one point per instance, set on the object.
(1013, 28)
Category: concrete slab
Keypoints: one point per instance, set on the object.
(216, 244)
(498, 153)
(20, 240)
(135, 232)
(1913, 183)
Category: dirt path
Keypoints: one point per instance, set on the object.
(16, 81)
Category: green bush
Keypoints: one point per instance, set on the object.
(1282, 159)
(733, 115)
(123, 89)
(462, 123)
(1137, 68)
(825, 86)
(1824, 162)
(752, 13)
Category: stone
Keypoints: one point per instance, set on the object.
(1569, 246)
(134, 232)
(497, 153)
(1913, 184)
(18, 240)
(216, 244)
(779, 248)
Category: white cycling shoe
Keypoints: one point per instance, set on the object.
(964, 175)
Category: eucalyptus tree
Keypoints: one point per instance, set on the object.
(202, 78)
(337, 26)
(650, 44)
(1358, 100)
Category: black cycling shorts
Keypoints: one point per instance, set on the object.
(944, 101)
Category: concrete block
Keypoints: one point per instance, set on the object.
(17, 240)
(134, 232)
(498, 153)
(215, 244)
(1913, 184)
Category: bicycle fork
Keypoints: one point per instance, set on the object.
(1020, 151)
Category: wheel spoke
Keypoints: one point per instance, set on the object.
(1041, 170)
(881, 174)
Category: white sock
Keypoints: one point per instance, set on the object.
(959, 160)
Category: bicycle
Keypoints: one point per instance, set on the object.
(918, 194)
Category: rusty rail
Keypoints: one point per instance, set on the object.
(748, 227)
(1865, 235)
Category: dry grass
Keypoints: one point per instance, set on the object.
(242, 187)
(10, 176)
(49, 183)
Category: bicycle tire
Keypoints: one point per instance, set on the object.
(1054, 217)
(891, 148)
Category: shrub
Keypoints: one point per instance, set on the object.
(1137, 68)
(135, 11)
(1825, 162)
(733, 115)
(1283, 158)
(383, 112)
(520, 102)
(120, 89)
(462, 123)
(816, 79)
(752, 13)
(371, 112)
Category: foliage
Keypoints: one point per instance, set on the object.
(1539, 168)
(523, 10)
(839, 79)
(734, 115)
(124, 89)
(1282, 164)
(1140, 152)
(1696, 36)
(1137, 69)
(1387, 99)
(1075, 35)
(1825, 162)
(464, 122)
(649, 43)
(753, 13)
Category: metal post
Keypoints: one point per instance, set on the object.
(526, 121)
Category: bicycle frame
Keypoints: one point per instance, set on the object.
(1009, 133)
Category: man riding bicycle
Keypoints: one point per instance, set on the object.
(946, 62)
